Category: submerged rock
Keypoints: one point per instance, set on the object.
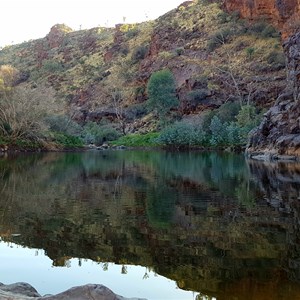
(24, 291)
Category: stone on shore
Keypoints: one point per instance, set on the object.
(24, 291)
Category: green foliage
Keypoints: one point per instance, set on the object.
(133, 32)
(233, 134)
(276, 59)
(182, 135)
(138, 140)
(218, 132)
(228, 111)
(68, 141)
(263, 29)
(161, 92)
(196, 96)
(136, 111)
(139, 53)
(219, 38)
(247, 116)
(250, 51)
(52, 66)
(179, 51)
(225, 17)
(63, 124)
(99, 134)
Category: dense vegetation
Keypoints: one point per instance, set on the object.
(196, 76)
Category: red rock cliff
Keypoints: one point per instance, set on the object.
(284, 14)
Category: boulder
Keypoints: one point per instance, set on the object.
(24, 291)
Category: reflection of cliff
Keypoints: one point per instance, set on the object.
(280, 183)
(168, 211)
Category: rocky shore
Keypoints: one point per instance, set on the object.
(24, 291)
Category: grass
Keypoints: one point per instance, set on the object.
(138, 140)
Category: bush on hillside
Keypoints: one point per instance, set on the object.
(94, 133)
(63, 124)
(139, 53)
(162, 93)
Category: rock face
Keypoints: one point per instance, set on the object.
(24, 291)
(284, 14)
(279, 133)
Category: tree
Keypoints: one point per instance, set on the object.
(23, 111)
(218, 132)
(162, 93)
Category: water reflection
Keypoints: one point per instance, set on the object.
(214, 223)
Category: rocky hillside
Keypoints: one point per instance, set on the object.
(285, 15)
(215, 56)
(279, 133)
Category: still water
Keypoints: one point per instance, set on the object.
(152, 224)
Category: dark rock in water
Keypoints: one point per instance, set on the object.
(24, 291)
(279, 133)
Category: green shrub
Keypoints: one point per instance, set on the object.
(228, 111)
(139, 53)
(136, 111)
(94, 133)
(196, 96)
(225, 17)
(182, 135)
(162, 93)
(138, 140)
(131, 33)
(263, 29)
(63, 124)
(250, 51)
(52, 66)
(218, 132)
(270, 31)
(233, 133)
(219, 38)
(68, 141)
(179, 51)
(276, 59)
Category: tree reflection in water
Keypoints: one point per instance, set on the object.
(214, 223)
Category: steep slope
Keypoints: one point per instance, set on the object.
(214, 56)
(279, 133)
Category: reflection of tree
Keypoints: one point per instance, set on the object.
(204, 297)
(160, 206)
(245, 195)
(124, 269)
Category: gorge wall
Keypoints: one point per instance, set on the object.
(283, 14)
(278, 136)
(279, 132)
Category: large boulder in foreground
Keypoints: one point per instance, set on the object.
(279, 133)
(24, 291)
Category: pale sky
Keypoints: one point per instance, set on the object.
(22, 20)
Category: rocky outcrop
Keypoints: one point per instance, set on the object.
(56, 35)
(284, 14)
(279, 132)
(24, 291)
